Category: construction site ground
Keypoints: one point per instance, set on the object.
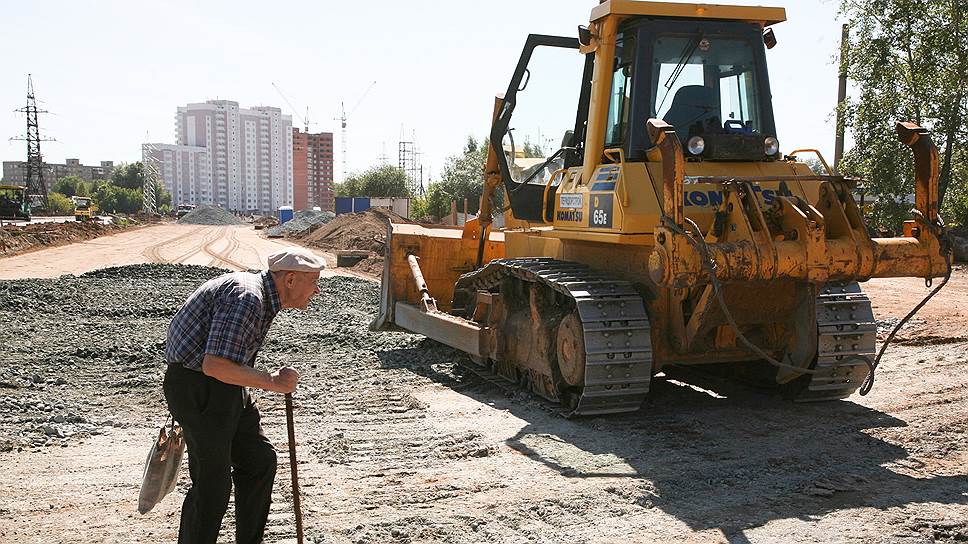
(400, 442)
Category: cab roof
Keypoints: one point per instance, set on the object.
(765, 16)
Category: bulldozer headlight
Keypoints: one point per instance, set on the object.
(696, 145)
(771, 146)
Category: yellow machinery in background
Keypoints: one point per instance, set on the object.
(667, 230)
(84, 208)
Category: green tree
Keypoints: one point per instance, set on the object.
(113, 199)
(463, 177)
(909, 61)
(59, 204)
(128, 176)
(68, 185)
(377, 181)
(532, 150)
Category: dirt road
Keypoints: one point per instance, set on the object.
(233, 247)
(400, 442)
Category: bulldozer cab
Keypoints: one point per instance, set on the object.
(701, 69)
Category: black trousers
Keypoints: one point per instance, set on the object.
(225, 445)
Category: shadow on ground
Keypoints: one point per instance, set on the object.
(714, 454)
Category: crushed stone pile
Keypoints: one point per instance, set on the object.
(85, 354)
(15, 239)
(302, 223)
(210, 215)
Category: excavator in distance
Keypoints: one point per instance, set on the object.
(667, 230)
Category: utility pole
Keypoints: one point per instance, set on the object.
(841, 97)
(34, 177)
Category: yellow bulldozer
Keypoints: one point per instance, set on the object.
(667, 230)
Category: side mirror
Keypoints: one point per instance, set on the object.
(584, 36)
(769, 38)
(568, 139)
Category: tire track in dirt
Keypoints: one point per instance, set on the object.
(153, 252)
(224, 255)
(207, 238)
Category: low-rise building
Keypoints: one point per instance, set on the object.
(16, 171)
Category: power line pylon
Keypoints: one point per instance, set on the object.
(36, 186)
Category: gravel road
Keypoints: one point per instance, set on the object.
(400, 442)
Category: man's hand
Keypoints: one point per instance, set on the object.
(284, 380)
(281, 381)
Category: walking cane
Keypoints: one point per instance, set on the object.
(292, 466)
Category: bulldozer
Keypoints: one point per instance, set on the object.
(667, 231)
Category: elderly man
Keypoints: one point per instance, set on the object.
(211, 349)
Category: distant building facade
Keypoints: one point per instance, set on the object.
(185, 171)
(312, 170)
(16, 171)
(248, 156)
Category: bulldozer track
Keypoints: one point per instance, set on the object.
(615, 328)
(846, 334)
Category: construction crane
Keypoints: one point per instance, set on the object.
(305, 120)
(343, 118)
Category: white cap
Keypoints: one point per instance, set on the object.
(296, 259)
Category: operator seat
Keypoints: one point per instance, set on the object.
(692, 104)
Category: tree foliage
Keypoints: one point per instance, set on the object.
(113, 199)
(909, 62)
(532, 150)
(377, 181)
(463, 177)
(59, 204)
(72, 186)
(128, 176)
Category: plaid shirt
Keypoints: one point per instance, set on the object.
(227, 316)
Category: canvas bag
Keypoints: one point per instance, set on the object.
(162, 466)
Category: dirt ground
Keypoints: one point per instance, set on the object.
(399, 442)
(234, 247)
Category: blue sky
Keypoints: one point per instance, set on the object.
(113, 71)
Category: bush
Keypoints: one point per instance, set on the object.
(59, 204)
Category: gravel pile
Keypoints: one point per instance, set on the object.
(210, 215)
(302, 223)
(83, 354)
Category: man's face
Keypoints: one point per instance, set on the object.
(299, 288)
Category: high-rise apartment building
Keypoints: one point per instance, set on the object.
(248, 155)
(312, 170)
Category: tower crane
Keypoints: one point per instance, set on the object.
(343, 118)
(305, 120)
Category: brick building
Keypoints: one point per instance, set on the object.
(312, 170)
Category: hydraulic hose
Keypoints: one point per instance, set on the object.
(710, 265)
